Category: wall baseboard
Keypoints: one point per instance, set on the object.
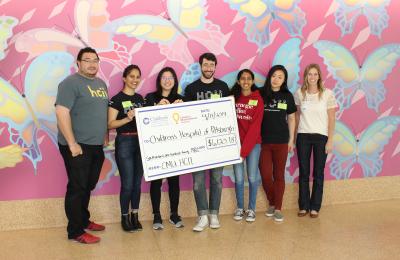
(46, 213)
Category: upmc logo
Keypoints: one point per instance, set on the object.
(146, 120)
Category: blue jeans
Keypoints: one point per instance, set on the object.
(307, 143)
(253, 174)
(200, 192)
(129, 162)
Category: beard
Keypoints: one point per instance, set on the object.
(208, 74)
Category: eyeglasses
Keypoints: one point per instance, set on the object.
(167, 78)
(92, 61)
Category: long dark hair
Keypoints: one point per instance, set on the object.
(174, 90)
(236, 89)
(267, 89)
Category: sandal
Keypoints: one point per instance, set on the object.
(314, 214)
(302, 213)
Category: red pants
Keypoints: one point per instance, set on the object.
(272, 168)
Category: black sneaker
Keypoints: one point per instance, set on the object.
(157, 222)
(176, 220)
(135, 222)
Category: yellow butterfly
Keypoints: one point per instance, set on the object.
(184, 21)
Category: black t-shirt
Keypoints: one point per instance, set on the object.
(274, 128)
(123, 103)
(199, 90)
(153, 98)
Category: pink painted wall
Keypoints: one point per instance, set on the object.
(363, 56)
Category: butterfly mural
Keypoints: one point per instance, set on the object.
(90, 17)
(32, 111)
(351, 76)
(109, 168)
(184, 20)
(349, 11)
(261, 13)
(67, 26)
(27, 113)
(10, 155)
(289, 178)
(366, 150)
(6, 25)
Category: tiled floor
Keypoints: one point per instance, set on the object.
(352, 231)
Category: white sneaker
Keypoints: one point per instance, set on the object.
(202, 223)
(238, 215)
(251, 216)
(214, 222)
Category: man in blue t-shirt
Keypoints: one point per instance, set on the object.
(81, 110)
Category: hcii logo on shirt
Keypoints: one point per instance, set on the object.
(99, 93)
(128, 105)
(280, 104)
(209, 95)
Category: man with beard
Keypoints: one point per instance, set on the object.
(81, 110)
(207, 87)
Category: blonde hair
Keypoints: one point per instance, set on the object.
(305, 85)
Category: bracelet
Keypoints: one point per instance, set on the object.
(73, 144)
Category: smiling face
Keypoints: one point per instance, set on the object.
(132, 80)
(167, 81)
(312, 77)
(208, 68)
(88, 65)
(246, 81)
(277, 79)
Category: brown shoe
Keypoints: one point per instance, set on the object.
(302, 213)
(314, 214)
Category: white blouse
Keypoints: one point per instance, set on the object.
(314, 111)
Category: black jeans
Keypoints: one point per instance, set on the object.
(173, 192)
(83, 173)
(305, 144)
(129, 162)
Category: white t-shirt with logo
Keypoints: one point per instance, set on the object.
(314, 111)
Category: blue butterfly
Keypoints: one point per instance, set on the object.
(366, 151)
(260, 14)
(350, 76)
(374, 10)
(27, 113)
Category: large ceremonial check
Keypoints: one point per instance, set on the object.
(187, 137)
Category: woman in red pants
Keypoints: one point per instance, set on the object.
(277, 133)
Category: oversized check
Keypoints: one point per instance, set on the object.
(187, 137)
